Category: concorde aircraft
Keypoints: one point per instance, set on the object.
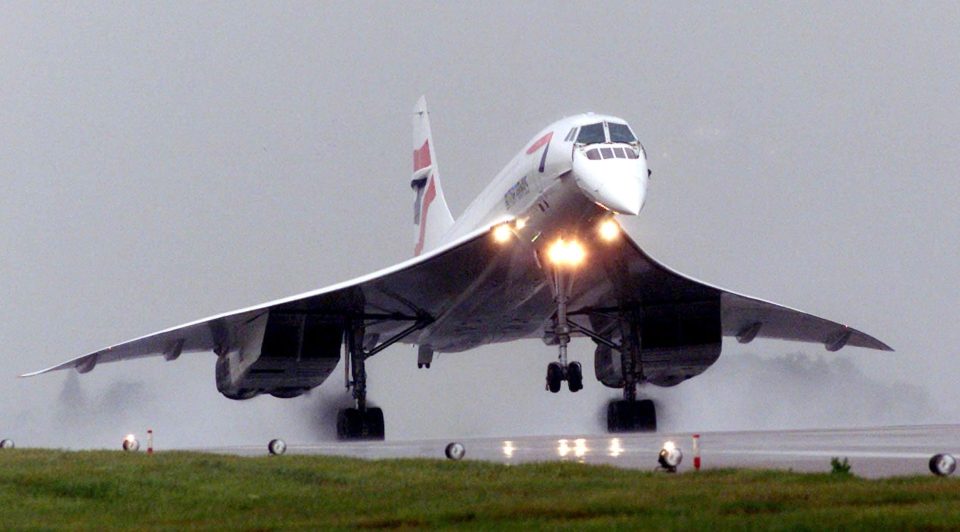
(538, 254)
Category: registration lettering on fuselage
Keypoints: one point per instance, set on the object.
(517, 192)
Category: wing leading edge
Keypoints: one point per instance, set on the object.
(746, 318)
(393, 297)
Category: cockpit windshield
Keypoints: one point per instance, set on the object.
(591, 134)
(597, 133)
(620, 133)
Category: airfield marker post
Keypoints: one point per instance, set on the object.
(696, 452)
(149, 441)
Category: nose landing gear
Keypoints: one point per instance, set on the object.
(557, 373)
(561, 370)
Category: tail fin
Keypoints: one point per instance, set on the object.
(431, 216)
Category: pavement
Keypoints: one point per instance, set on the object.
(872, 452)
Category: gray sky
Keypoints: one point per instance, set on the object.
(164, 162)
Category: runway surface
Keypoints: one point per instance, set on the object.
(872, 452)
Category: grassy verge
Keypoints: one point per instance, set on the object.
(173, 490)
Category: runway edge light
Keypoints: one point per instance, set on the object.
(277, 447)
(130, 443)
(943, 465)
(455, 450)
(670, 457)
(6, 444)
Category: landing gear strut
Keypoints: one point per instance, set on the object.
(561, 370)
(360, 423)
(364, 422)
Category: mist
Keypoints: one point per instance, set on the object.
(166, 162)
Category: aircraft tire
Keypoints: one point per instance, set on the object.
(349, 424)
(554, 376)
(646, 416)
(575, 376)
(631, 416)
(373, 424)
(355, 425)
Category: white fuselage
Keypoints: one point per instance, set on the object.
(541, 188)
(556, 188)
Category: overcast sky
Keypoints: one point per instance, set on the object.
(163, 162)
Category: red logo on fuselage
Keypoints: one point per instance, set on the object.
(541, 142)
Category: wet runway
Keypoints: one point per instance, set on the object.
(873, 452)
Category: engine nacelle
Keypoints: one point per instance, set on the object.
(282, 354)
(677, 342)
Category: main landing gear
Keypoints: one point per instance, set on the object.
(631, 415)
(364, 422)
(560, 371)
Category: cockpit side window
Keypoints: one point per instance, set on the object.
(620, 133)
(591, 134)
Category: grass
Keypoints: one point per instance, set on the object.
(42, 489)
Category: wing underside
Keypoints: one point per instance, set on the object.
(476, 291)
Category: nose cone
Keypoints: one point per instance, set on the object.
(617, 184)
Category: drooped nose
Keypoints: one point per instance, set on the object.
(618, 184)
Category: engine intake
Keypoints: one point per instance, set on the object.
(282, 354)
(677, 342)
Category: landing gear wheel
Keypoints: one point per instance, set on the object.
(352, 424)
(575, 376)
(632, 416)
(373, 424)
(348, 424)
(554, 376)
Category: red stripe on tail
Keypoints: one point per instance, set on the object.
(428, 196)
(421, 157)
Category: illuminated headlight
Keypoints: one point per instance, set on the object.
(277, 447)
(564, 253)
(609, 229)
(502, 233)
(670, 457)
(455, 450)
(130, 443)
(943, 464)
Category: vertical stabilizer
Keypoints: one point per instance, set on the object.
(431, 216)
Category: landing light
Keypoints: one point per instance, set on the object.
(564, 253)
(502, 233)
(609, 230)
